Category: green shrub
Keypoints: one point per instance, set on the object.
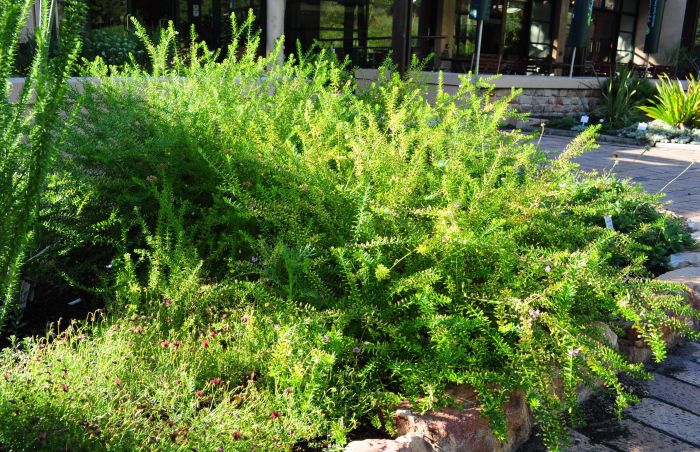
(404, 245)
(620, 94)
(565, 122)
(114, 45)
(30, 133)
(674, 105)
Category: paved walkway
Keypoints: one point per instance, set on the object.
(668, 417)
(654, 169)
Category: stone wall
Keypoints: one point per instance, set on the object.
(553, 103)
(542, 96)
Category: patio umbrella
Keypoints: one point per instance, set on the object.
(656, 16)
(580, 25)
(481, 11)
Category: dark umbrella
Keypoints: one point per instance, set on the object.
(656, 16)
(481, 11)
(580, 25)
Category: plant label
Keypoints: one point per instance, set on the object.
(642, 126)
(585, 119)
(609, 222)
(195, 10)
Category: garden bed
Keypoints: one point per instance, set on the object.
(284, 258)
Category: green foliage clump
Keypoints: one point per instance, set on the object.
(30, 132)
(621, 93)
(675, 105)
(564, 122)
(114, 45)
(363, 245)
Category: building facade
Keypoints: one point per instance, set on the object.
(519, 36)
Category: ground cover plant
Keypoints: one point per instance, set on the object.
(283, 257)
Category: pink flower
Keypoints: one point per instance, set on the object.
(215, 381)
(118, 381)
(275, 415)
(64, 387)
(205, 343)
(574, 352)
(245, 318)
(534, 313)
(165, 343)
(237, 435)
(199, 392)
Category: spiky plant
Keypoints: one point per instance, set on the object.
(675, 105)
(30, 129)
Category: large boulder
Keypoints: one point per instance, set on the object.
(407, 443)
(466, 429)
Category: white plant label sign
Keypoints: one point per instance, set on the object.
(609, 222)
(585, 119)
(642, 126)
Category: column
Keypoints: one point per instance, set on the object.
(401, 34)
(446, 27)
(561, 30)
(274, 28)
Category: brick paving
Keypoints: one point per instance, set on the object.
(668, 416)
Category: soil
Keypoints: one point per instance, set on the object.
(50, 308)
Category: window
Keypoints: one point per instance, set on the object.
(357, 29)
(625, 38)
(541, 29)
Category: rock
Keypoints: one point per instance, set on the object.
(407, 443)
(685, 259)
(453, 429)
(694, 225)
(696, 236)
(690, 277)
(633, 353)
(607, 334)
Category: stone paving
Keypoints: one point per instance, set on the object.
(653, 168)
(668, 417)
